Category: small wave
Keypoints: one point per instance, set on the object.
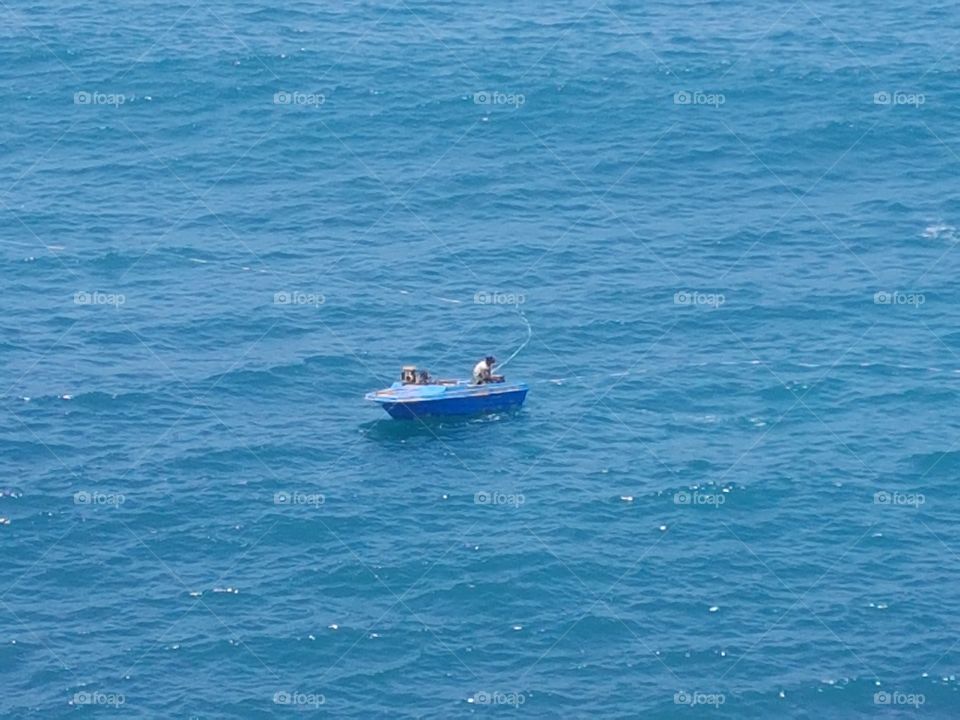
(940, 230)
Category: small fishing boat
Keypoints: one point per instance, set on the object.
(416, 395)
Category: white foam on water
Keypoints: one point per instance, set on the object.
(938, 230)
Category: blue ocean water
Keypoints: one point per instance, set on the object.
(731, 228)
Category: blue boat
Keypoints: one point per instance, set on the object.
(417, 396)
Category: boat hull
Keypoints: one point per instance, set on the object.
(456, 403)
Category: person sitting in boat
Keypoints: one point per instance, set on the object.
(423, 378)
(483, 370)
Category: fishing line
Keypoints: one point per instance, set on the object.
(516, 352)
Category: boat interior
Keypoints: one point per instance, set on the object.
(409, 375)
